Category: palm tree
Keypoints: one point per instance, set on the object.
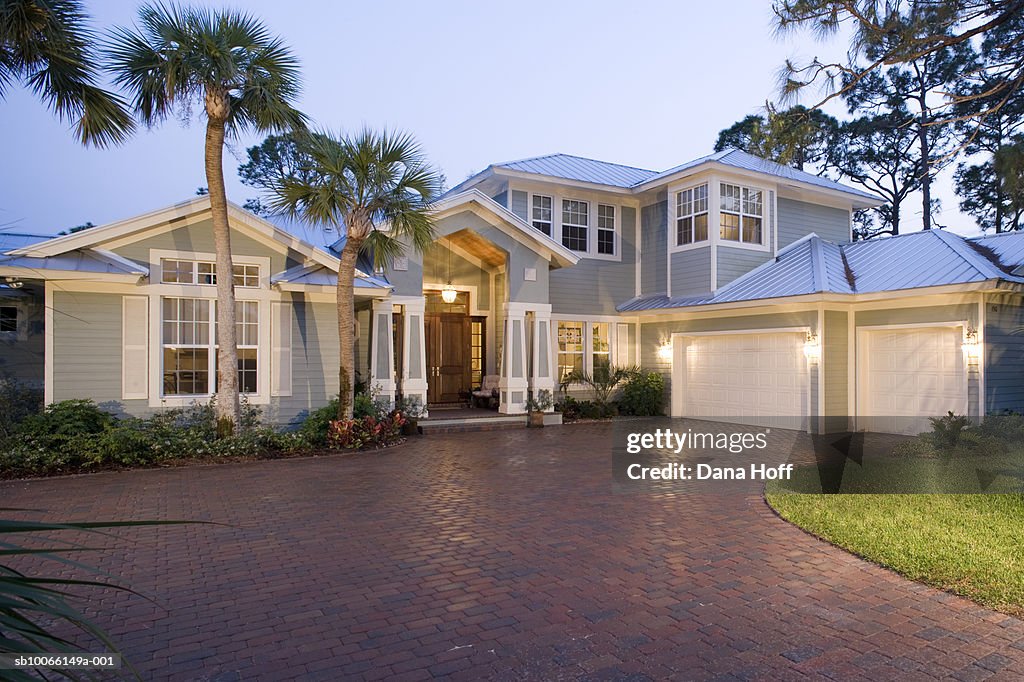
(375, 189)
(46, 45)
(246, 79)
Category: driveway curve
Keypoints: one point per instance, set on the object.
(499, 555)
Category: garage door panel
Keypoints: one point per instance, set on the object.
(748, 377)
(909, 375)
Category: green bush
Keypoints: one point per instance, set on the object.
(367, 432)
(574, 410)
(17, 403)
(946, 431)
(314, 428)
(643, 395)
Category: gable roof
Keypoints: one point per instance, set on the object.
(630, 178)
(812, 265)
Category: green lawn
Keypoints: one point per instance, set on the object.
(972, 545)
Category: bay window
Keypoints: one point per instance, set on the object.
(575, 224)
(692, 215)
(741, 211)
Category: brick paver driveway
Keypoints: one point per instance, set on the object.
(499, 555)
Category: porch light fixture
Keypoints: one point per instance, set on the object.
(972, 347)
(665, 351)
(448, 293)
(812, 347)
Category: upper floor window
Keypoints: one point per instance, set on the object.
(542, 213)
(176, 271)
(575, 224)
(742, 211)
(692, 215)
(606, 229)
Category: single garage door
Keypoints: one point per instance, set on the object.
(748, 378)
(908, 375)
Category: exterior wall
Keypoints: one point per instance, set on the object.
(799, 218)
(691, 272)
(595, 286)
(734, 262)
(654, 247)
(22, 353)
(520, 204)
(835, 364)
(502, 197)
(1004, 353)
(315, 360)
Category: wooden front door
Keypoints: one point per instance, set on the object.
(447, 356)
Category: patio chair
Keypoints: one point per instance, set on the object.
(487, 394)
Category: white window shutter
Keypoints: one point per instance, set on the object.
(622, 355)
(135, 347)
(281, 346)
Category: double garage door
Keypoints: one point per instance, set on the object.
(903, 377)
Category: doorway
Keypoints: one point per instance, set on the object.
(449, 335)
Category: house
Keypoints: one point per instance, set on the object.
(734, 276)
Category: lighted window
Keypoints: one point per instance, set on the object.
(601, 346)
(476, 351)
(575, 224)
(542, 213)
(692, 215)
(570, 348)
(606, 229)
(741, 212)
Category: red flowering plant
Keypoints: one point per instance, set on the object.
(366, 432)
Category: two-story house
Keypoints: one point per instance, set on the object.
(734, 276)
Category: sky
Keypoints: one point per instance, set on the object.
(646, 84)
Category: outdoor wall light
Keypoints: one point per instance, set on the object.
(448, 293)
(812, 347)
(972, 347)
(665, 351)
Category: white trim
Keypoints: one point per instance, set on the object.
(471, 289)
(982, 356)
(127, 364)
(819, 365)
(48, 342)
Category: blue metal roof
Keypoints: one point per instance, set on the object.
(1007, 248)
(316, 274)
(16, 240)
(580, 169)
(812, 265)
(81, 260)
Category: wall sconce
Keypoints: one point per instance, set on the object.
(448, 293)
(972, 347)
(812, 347)
(665, 351)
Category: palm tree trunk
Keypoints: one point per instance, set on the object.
(227, 407)
(346, 327)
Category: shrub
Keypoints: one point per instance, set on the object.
(602, 381)
(574, 410)
(643, 395)
(946, 431)
(315, 427)
(17, 403)
(367, 432)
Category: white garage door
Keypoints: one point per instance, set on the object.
(908, 375)
(744, 378)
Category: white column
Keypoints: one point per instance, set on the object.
(382, 349)
(513, 384)
(414, 350)
(543, 378)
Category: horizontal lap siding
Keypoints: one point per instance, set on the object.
(799, 218)
(734, 263)
(653, 248)
(691, 272)
(835, 361)
(1004, 360)
(595, 286)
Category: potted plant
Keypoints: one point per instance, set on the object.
(536, 406)
(412, 408)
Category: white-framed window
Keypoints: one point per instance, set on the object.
(601, 347)
(8, 319)
(692, 215)
(189, 346)
(575, 224)
(741, 212)
(541, 213)
(178, 271)
(570, 348)
(606, 229)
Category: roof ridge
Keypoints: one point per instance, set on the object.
(1009, 233)
(577, 156)
(965, 251)
(819, 270)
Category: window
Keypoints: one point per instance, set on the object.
(575, 223)
(205, 273)
(601, 346)
(476, 351)
(692, 215)
(606, 229)
(9, 318)
(190, 347)
(542, 213)
(741, 214)
(570, 348)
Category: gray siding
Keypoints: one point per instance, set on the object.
(691, 272)
(835, 364)
(799, 218)
(734, 263)
(595, 286)
(654, 248)
(520, 204)
(502, 198)
(924, 315)
(22, 354)
(315, 356)
(1004, 353)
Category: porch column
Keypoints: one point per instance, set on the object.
(543, 378)
(382, 353)
(414, 360)
(512, 384)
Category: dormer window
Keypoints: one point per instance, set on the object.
(741, 214)
(692, 215)
(542, 213)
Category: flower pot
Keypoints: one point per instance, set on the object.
(535, 420)
(410, 428)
